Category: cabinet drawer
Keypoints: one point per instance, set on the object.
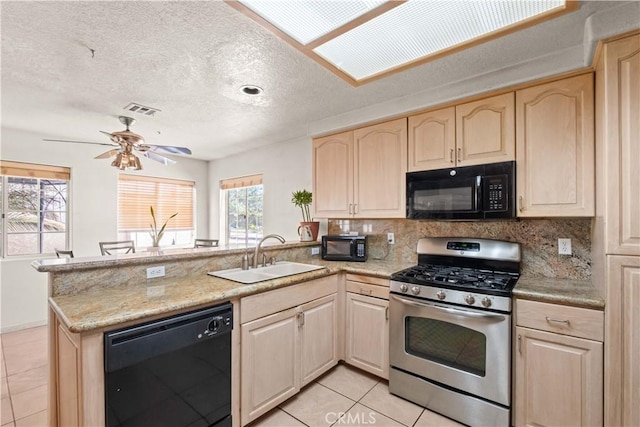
(368, 290)
(260, 305)
(561, 319)
(378, 281)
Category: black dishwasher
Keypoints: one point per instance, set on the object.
(172, 372)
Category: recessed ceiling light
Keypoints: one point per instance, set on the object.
(251, 90)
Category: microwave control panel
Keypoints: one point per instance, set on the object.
(496, 190)
(360, 248)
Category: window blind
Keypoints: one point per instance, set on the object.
(243, 181)
(136, 194)
(31, 170)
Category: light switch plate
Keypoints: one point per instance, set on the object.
(153, 272)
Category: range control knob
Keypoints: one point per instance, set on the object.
(486, 302)
(441, 295)
(415, 290)
(470, 299)
(404, 288)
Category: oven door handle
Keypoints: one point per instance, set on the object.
(449, 310)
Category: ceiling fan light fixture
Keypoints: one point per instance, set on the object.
(127, 161)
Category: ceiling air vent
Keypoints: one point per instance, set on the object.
(141, 109)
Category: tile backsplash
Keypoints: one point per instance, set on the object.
(538, 237)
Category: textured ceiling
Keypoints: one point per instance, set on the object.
(189, 59)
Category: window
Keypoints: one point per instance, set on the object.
(136, 195)
(242, 200)
(34, 207)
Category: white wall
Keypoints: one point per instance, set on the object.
(285, 166)
(93, 197)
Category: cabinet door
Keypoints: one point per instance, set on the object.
(333, 175)
(270, 367)
(432, 140)
(622, 320)
(555, 148)
(367, 337)
(618, 115)
(558, 380)
(318, 337)
(380, 165)
(485, 131)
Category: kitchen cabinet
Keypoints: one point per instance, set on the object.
(555, 148)
(616, 241)
(76, 376)
(367, 324)
(558, 365)
(361, 173)
(473, 133)
(288, 338)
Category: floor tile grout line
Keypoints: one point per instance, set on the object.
(351, 407)
(291, 415)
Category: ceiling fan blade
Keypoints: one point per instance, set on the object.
(168, 149)
(158, 158)
(107, 154)
(79, 142)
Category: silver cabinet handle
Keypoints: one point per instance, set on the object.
(386, 313)
(521, 203)
(365, 291)
(459, 158)
(564, 322)
(300, 317)
(350, 208)
(355, 208)
(520, 344)
(451, 155)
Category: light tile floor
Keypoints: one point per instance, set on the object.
(345, 396)
(24, 377)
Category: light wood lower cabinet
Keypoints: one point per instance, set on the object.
(367, 336)
(558, 377)
(283, 351)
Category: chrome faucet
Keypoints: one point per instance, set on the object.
(268, 236)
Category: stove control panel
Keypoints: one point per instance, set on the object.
(453, 296)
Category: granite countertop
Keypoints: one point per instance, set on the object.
(104, 307)
(578, 293)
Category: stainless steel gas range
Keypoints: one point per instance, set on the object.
(450, 329)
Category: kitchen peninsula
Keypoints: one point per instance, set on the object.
(91, 296)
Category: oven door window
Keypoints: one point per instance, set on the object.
(447, 344)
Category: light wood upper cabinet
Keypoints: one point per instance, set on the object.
(474, 133)
(361, 173)
(380, 165)
(333, 175)
(555, 148)
(432, 140)
(485, 131)
(618, 144)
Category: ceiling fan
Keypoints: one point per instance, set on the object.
(127, 143)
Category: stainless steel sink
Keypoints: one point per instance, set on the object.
(261, 274)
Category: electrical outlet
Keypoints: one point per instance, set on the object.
(391, 238)
(315, 251)
(564, 246)
(153, 272)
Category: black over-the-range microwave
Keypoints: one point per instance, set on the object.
(463, 193)
(343, 247)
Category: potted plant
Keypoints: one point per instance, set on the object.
(156, 235)
(303, 199)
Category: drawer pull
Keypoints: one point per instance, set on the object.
(564, 322)
(365, 291)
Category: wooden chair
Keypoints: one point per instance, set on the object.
(61, 254)
(205, 243)
(125, 246)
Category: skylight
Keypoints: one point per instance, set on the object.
(364, 40)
